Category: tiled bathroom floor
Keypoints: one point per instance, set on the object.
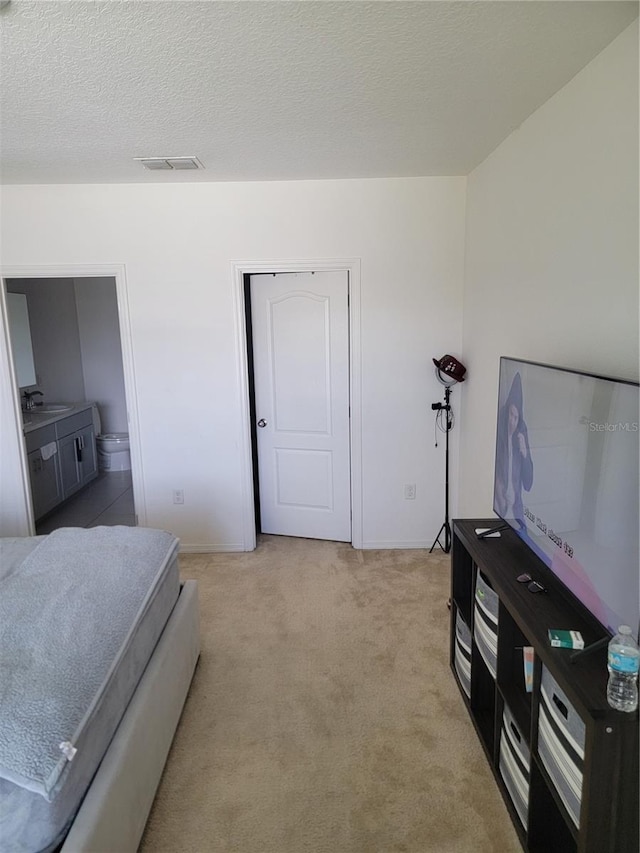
(107, 500)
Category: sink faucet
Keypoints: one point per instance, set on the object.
(28, 399)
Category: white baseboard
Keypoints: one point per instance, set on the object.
(212, 549)
(377, 545)
(393, 544)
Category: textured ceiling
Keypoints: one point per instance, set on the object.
(280, 90)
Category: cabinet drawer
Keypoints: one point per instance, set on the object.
(561, 739)
(39, 437)
(73, 423)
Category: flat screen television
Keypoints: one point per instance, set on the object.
(566, 480)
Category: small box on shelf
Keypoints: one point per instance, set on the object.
(527, 660)
(562, 639)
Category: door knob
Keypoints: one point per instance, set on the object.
(262, 423)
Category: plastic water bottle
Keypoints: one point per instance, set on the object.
(623, 663)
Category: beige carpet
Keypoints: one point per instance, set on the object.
(323, 716)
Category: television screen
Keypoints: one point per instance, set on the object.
(566, 480)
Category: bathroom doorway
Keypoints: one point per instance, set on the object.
(81, 348)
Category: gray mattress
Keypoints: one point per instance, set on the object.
(28, 822)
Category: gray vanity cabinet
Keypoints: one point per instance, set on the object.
(62, 458)
(44, 473)
(69, 465)
(88, 454)
(77, 450)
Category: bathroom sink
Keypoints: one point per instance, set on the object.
(51, 409)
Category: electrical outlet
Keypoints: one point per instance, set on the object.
(178, 496)
(409, 491)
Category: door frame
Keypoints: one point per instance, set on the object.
(118, 273)
(238, 271)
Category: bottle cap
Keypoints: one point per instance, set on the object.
(624, 629)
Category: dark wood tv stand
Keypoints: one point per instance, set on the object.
(580, 790)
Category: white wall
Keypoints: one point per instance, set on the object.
(551, 270)
(177, 243)
(101, 350)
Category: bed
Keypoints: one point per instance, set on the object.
(98, 646)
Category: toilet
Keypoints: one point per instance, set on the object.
(113, 451)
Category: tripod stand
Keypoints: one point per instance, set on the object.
(446, 527)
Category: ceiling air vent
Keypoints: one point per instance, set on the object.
(168, 164)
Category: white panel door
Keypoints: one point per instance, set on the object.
(300, 324)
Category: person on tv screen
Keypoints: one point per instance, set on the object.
(514, 467)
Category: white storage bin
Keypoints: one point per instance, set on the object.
(515, 764)
(485, 623)
(561, 737)
(462, 653)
